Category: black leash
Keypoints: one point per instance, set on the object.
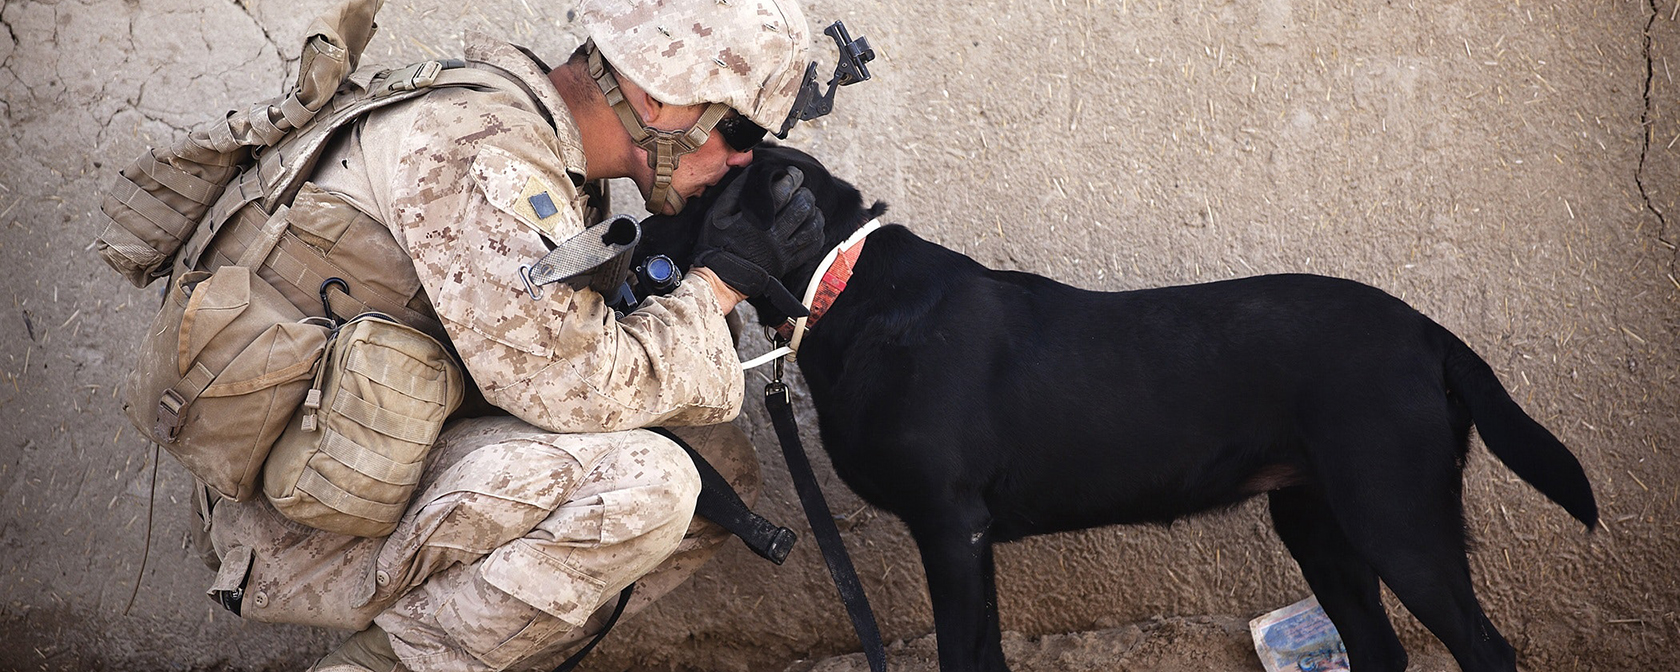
(720, 504)
(779, 401)
(623, 599)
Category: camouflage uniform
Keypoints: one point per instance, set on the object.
(524, 527)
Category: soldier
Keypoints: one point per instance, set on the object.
(528, 524)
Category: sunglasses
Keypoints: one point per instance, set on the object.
(740, 132)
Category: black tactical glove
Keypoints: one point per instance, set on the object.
(751, 248)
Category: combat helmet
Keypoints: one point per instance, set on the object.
(745, 56)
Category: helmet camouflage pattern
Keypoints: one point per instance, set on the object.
(746, 54)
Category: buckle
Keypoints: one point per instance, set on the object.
(168, 425)
(416, 76)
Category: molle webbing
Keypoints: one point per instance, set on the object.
(158, 201)
(297, 268)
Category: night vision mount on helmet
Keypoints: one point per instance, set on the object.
(852, 68)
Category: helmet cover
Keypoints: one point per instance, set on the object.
(747, 54)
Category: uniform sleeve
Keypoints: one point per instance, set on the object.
(462, 194)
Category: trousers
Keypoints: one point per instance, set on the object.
(512, 554)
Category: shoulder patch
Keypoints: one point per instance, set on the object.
(548, 206)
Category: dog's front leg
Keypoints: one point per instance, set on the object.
(957, 556)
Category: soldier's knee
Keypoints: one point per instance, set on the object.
(650, 485)
(677, 484)
(729, 451)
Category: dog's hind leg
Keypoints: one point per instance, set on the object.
(1427, 570)
(956, 546)
(1393, 480)
(1345, 584)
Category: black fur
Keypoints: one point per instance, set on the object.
(982, 406)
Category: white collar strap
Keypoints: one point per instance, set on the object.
(792, 348)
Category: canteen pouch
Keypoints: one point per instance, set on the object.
(352, 456)
(226, 362)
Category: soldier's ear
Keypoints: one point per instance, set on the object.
(661, 115)
(654, 113)
(671, 117)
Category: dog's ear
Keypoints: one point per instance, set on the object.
(755, 193)
(842, 208)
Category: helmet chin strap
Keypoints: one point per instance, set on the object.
(664, 148)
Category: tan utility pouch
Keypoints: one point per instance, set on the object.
(352, 456)
(226, 362)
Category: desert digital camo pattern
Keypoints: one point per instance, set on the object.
(524, 528)
(513, 552)
(619, 507)
(449, 175)
(747, 54)
(728, 450)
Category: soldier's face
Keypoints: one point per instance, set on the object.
(703, 167)
(700, 168)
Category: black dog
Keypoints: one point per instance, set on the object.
(982, 406)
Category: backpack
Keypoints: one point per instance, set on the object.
(248, 348)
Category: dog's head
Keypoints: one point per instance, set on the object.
(841, 205)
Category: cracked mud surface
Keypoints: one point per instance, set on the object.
(1511, 169)
(1660, 100)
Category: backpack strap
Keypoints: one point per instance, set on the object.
(284, 167)
(280, 171)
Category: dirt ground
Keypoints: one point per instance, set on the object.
(1511, 168)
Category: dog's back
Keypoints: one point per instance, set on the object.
(1036, 387)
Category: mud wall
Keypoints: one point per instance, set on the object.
(1509, 168)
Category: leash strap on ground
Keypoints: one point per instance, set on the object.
(719, 503)
(623, 599)
(778, 400)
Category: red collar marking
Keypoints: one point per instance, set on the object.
(828, 289)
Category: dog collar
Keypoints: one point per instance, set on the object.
(827, 282)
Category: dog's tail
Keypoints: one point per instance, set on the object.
(1515, 438)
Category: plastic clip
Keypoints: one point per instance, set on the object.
(311, 404)
(168, 425)
(417, 76)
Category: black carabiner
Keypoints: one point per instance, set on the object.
(326, 306)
